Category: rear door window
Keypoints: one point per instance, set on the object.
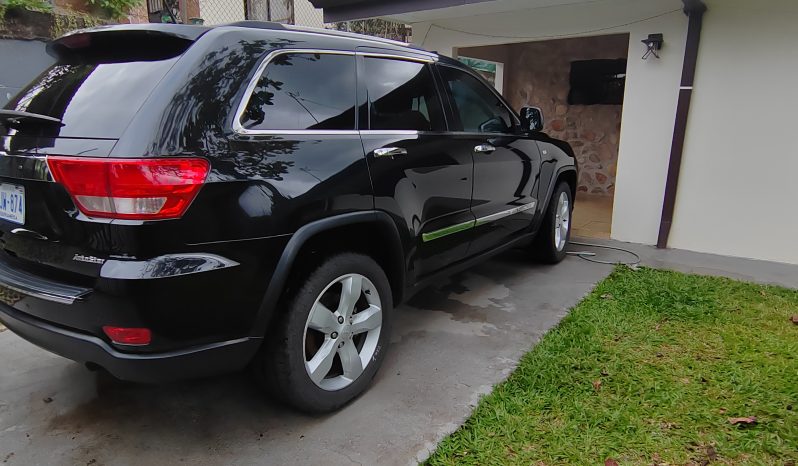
(402, 96)
(304, 91)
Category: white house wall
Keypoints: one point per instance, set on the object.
(738, 184)
(652, 86)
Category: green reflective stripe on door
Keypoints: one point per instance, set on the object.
(450, 230)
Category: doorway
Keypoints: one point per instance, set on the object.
(578, 83)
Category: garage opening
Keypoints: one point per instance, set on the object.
(579, 84)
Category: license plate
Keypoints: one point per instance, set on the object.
(12, 203)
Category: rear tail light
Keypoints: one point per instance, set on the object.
(128, 336)
(133, 189)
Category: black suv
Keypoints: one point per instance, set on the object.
(180, 201)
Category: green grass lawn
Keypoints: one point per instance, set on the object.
(649, 369)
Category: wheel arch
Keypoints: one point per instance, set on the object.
(371, 232)
(567, 174)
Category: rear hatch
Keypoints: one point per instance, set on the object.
(79, 107)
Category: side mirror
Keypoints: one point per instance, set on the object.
(531, 119)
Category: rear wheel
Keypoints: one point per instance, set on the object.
(333, 337)
(555, 232)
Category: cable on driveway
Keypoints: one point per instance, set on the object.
(590, 256)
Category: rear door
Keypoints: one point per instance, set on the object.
(506, 163)
(418, 176)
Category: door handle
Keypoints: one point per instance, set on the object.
(389, 152)
(484, 149)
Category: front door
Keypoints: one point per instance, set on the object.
(418, 176)
(506, 164)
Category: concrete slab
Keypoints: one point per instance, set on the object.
(750, 270)
(452, 343)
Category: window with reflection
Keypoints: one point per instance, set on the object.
(402, 96)
(304, 91)
(91, 99)
(477, 107)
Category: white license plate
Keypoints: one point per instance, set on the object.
(12, 203)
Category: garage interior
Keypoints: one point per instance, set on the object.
(578, 83)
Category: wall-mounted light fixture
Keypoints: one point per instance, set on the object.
(653, 45)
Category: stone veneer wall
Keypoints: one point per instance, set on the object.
(538, 73)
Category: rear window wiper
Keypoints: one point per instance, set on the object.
(16, 118)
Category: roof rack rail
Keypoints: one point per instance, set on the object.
(257, 24)
(324, 31)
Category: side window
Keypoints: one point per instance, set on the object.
(478, 108)
(402, 96)
(290, 96)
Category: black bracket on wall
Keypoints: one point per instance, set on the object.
(654, 45)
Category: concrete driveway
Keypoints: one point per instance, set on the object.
(452, 343)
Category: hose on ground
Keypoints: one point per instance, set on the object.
(590, 256)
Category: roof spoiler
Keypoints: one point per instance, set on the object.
(141, 42)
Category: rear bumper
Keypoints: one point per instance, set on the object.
(193, 362)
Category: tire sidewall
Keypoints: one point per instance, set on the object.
(314, 398)
(559, 255)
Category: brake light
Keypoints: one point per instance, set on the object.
(133, 189)
(128, 336)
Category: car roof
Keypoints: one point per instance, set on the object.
(194, 32)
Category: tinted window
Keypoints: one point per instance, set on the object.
(301, 91)
(402, 96)
(476, 105)
(597, 82)
(92, 100)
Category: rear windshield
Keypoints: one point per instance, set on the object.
(93, 100)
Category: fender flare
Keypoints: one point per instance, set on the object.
(285, 265)
(560, 171)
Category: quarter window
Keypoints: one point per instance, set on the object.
(402, 96)
(304, 91)
(478, 108)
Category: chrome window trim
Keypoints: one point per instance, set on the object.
(238, 128)
(391, 132)
(485, 135)
(395, 56)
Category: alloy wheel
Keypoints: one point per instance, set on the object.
(342, 332)
(562, 221)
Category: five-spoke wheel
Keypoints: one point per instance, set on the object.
(342, 331)
(331, 336)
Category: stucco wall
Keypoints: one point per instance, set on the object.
(538, 74)
(652, 86)
(737, 189)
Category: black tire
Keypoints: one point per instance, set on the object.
(544, 248)
(280, 364)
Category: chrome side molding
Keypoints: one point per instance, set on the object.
(452, 229)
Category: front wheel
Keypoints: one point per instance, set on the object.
(555, 232)
(332, 338)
